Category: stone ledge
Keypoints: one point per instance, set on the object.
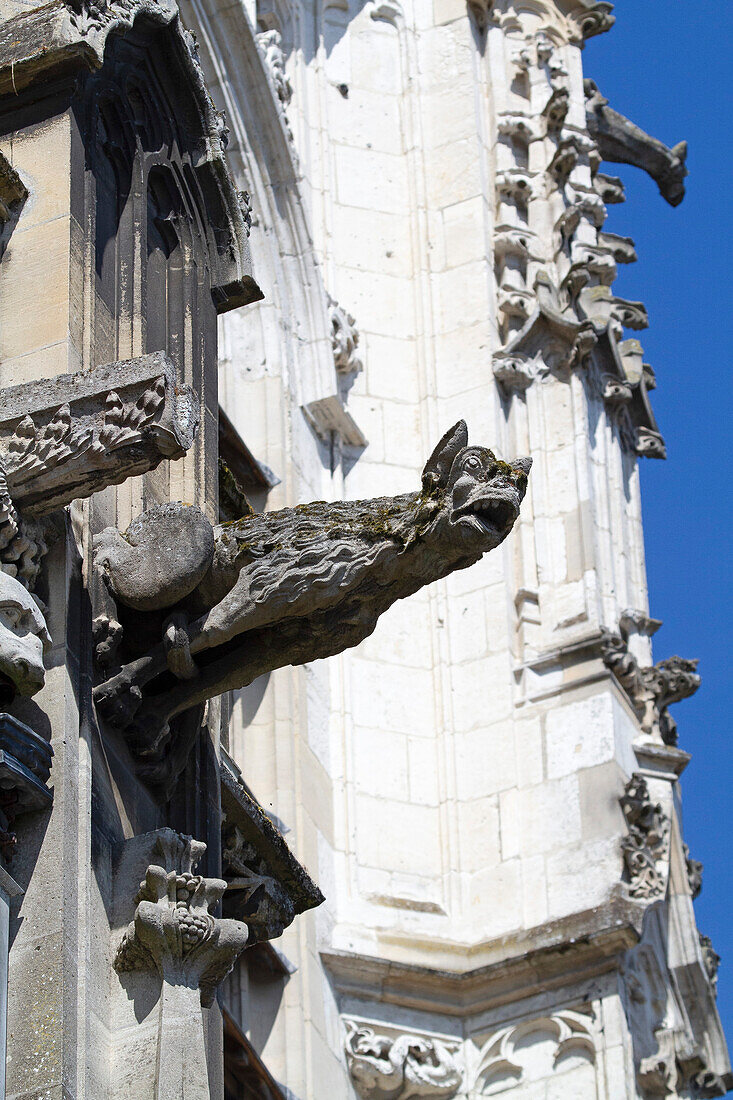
(549, 956)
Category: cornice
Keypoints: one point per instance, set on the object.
(548, 956)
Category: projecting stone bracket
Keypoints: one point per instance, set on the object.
(266, 885)
(68, 437)
(173, 931)
(651, 689)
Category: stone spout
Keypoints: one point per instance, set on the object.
(621, 141)
(285, 587)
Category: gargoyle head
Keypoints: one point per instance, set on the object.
(24, 639)
(481, 493)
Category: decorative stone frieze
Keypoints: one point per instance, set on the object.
(503, 1063)
(622, 141)
(286, 587)
(173, 931)
(646, 848)
(70, 436)
(398, 1066)
(344, 339)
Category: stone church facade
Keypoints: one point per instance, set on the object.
(334, 758)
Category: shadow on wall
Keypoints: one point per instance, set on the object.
(332, 32)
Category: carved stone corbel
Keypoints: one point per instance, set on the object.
(173, 931)
(68, 437)
(395, 1067)
(646, 847)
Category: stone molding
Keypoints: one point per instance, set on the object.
(173, 931)
(469, 978)
(266, 885)
(400, 1066)
(646, 847)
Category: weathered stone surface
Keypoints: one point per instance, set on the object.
(646, 847)
(173, 931)
(151, 567)
(24, 639)
(69, 436)
(399, 1066)
(622, 141)
(304, 583)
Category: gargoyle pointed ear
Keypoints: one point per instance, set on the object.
(523, 464)
(437, 467)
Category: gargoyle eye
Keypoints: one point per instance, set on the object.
(473, 462)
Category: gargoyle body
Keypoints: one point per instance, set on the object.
(623, 142)
(285, 587)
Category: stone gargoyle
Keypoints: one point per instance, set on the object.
(204, 610)
(623, 142)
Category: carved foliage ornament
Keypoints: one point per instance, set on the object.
(389, 1067)
(70, 436)
(270, 44)
(583, 18)
(344, 339)
(646, 847)
(173, 931)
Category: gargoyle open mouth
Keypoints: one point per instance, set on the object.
(492, 517)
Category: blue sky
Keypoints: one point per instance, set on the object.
(666, 65)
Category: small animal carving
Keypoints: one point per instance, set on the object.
(285, 587)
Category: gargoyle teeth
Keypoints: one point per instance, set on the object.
(498, 514)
